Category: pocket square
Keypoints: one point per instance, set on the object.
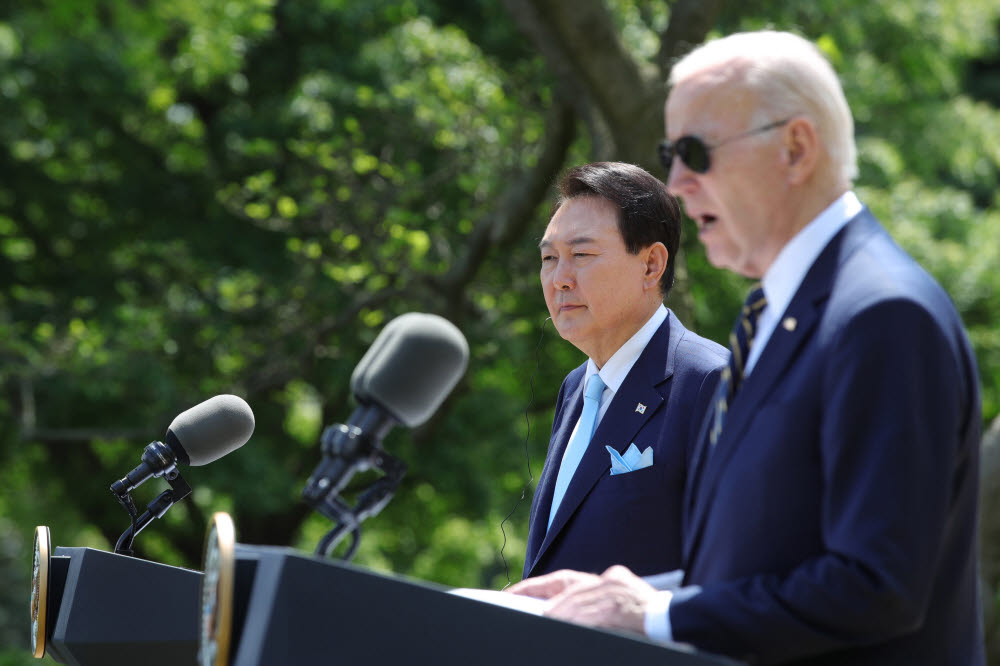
(631, 461)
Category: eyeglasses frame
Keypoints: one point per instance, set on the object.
(667, 145)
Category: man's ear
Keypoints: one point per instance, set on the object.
(655, 258)
(802, 149)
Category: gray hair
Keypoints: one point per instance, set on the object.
(790, 77)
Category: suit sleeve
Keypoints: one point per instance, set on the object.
(706, 392)
(894, 402)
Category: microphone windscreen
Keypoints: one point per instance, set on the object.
(411, 367)
(211, 429)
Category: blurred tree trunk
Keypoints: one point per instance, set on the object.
(618, 96)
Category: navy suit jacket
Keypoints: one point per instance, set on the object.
(635, 518)
(835, 521)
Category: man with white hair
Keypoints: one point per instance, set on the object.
(831, 512)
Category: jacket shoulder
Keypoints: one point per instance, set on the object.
(696, 353)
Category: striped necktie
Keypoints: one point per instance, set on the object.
(740, 339)
(579, 441)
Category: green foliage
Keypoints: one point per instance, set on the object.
(234, 197)
(193, 204)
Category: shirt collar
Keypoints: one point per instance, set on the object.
(616, 369)
(789, 268)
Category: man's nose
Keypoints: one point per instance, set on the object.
(563, 277)
(681, 179)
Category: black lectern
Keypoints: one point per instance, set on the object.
(290, 608)
(102, 608)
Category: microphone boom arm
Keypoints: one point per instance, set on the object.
(179, 489)
(330, 477)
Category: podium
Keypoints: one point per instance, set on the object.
(290, 608)
(94, 607)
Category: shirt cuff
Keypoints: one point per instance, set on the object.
(657, 620)
(670, 580)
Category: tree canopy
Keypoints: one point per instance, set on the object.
(210, 196)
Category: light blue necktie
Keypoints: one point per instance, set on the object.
(581, 439)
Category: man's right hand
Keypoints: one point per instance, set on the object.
(549, 585)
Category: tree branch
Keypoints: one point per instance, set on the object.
(690, 21)
(581, 47)
(568, 85)
(86, 435)
(514, 212)
(277, 374)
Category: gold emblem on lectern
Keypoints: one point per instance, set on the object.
(40, 589)
(217, 592)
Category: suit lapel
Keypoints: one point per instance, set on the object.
(542, 502)
(617, 428)
(782, 348)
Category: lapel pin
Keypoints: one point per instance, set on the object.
(790, 323)
(641, 408)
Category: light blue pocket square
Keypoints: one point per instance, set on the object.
(631, 461)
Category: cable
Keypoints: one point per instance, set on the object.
(527, 456)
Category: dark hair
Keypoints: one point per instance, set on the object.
(647, 213)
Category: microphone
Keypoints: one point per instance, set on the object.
(197, 436)
(411, 367)
(403, 378)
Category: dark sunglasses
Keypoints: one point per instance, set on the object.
(694, 152)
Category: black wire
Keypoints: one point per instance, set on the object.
(527, 410)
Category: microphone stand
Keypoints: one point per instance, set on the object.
(179, 489)
(348, 450)
(371, 502)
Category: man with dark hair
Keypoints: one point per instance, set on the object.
(626, 420)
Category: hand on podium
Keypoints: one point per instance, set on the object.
(616, 599)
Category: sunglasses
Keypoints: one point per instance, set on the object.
(694, 152)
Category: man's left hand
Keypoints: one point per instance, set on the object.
(616, 599)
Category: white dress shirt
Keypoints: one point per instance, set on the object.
(617, 368)
(784, 277)
(615, 371)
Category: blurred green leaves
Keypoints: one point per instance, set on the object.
(202, 197)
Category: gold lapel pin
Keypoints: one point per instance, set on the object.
(790, 323)
(641, 408)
